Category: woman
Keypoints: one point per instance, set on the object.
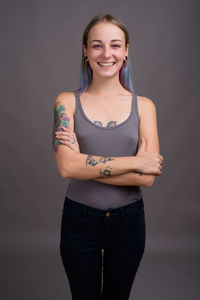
(116, 131)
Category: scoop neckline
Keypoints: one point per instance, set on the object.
(104, 128)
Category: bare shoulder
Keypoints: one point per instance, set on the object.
(67, 99)
(145, 106)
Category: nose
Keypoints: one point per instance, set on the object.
(106, 52)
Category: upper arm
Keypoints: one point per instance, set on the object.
(63, 116)
(148, 126)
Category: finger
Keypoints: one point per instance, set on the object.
(67, 144)
(161, 157)
(64, 138)
(64, 135)
(64, 132)
(66, 129)
(69, 130)
(63, 129)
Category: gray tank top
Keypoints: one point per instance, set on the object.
(120, 140)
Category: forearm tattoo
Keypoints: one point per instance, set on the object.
(106, 172)
(60, 120)
(91, 161)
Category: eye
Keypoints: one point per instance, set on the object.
(96, 46)
(116, 46)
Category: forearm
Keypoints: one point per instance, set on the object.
(128, 179)
(84, 166)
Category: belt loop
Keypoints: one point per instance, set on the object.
(84, 211)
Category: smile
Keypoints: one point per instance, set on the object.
(108, 64)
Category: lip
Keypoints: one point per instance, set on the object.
(106, 62)
(106, 67)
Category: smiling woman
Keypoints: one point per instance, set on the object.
(117, 42)
(105, 140)
(105, 56)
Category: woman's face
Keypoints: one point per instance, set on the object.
(106, 49)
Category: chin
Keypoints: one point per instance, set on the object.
(106, 72)
(106, 75)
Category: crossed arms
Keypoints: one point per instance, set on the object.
(109, 170)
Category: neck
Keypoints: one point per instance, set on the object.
(106, 86)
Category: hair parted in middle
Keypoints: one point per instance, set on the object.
(125, 75)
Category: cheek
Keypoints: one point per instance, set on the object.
(94, 55)
(119, 55)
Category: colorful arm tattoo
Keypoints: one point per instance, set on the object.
(60, 120)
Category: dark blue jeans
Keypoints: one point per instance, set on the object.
(86, 233)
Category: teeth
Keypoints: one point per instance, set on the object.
(106, 64)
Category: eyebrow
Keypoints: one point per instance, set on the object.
(101, 41)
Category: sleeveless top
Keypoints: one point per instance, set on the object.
(120, 140)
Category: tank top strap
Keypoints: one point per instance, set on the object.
(134, 109)
(135, 106)
(78, 104)
(76, 92)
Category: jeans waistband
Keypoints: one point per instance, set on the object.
(101, 212)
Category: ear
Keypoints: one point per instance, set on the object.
(127, 50)
(84, 50)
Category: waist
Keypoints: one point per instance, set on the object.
(83, 208)
(101, 195)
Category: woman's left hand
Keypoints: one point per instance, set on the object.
(68, 137)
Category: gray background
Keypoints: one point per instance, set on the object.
(40, 57)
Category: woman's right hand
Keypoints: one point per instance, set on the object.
(68, 137)
(148, 162)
